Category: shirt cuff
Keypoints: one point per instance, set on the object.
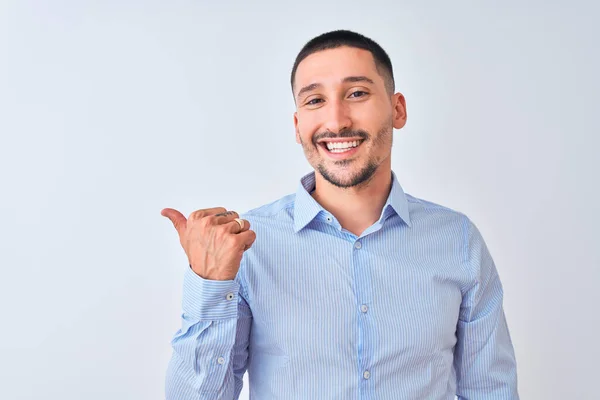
(205, 299)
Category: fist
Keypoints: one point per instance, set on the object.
(213, 240)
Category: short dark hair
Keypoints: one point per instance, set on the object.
(339, 38)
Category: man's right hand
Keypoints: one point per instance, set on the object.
(212, 240)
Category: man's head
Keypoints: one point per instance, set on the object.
(343, 87)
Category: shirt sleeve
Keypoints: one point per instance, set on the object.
(484, 357)
(210, 351)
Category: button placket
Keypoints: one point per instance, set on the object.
(362, 274)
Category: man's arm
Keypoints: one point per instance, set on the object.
(484, 358)
(210, 351)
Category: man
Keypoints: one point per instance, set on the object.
(349, 288)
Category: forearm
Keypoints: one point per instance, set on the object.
(210, 350)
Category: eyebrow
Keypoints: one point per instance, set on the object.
(347, 79)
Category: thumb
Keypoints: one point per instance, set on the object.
(178, 219)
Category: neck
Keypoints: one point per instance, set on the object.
(356, 208)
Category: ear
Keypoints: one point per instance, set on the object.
(399, 104)
(296, 128)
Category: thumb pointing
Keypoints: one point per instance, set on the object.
(178, 219)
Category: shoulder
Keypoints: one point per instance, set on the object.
(442, 221)
(425, 209)
(279, 208)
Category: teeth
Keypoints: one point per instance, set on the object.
(338, 147)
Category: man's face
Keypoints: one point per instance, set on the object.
(344, 116)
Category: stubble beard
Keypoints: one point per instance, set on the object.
(364, 175)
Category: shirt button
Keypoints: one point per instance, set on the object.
(329, 219)
(357, 245)
(229, 296)
(366, 374)
(364, 308)
(221, 360)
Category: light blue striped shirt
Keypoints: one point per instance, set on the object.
(410, 309)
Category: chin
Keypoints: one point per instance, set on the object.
(344, 178)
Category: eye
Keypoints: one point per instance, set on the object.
(358, 93)
(312, 102)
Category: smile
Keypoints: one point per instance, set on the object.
(341, 148)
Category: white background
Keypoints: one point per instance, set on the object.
(112, 110)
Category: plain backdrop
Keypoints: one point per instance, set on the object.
(112, 110)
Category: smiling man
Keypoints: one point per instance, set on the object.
(349, 288)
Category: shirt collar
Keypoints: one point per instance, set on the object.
(306, 207)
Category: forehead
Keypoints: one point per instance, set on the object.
(333, 65)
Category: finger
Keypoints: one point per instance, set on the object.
(247, 238)
(225, 217)
(234, 226)
(198, 214)
(177, 218)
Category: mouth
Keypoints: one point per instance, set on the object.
(338, 149)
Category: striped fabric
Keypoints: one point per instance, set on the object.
(410, 309)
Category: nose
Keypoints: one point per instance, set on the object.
(337, 117)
